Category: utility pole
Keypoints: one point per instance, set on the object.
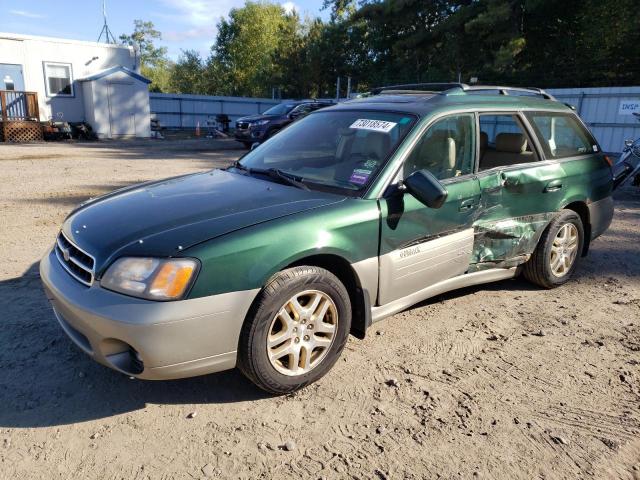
(348, 88)
(338, 89)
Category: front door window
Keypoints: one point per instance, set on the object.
(446, 150)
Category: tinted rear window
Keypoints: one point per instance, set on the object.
(562, 135)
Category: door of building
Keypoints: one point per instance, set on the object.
(122, 109)
(11, 77)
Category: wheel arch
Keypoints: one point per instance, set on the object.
(581, 208)
(359, 297)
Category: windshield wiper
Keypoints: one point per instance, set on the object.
(274, 173)
(286, 177)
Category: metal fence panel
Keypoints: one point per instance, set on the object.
(186, 111)
(600, 108)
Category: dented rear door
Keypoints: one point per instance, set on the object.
(517, 204)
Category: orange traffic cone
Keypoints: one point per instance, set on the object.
(198, 129)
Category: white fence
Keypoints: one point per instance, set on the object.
(607, 111)
(185, 111)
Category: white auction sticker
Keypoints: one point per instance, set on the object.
(375, 125)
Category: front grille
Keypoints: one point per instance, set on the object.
(242, 125)
(79, 264)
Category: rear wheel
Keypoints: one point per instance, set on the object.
(296, 330)
(556, 256)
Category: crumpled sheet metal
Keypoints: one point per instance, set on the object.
(509, 242)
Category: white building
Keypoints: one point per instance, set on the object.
(78, 81)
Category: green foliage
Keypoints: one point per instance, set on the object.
(154, 63)
(260, 48)
(188, 73)
(243, 55)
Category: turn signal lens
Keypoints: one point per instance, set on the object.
(608, 160)
(172, 279)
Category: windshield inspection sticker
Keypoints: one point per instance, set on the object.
(360, 176)
(375, 125)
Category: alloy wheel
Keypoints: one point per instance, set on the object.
(302, 332)
(564, 250)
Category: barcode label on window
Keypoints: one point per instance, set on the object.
(375, 125)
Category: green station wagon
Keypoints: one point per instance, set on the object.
(348, 216)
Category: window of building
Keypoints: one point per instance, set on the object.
(58, 79)
(562, 135)
(447, 149)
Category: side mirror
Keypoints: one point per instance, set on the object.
(426, 188)
(254, 145)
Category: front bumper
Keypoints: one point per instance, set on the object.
(146, 339)
(249, 135)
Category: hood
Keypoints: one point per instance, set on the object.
(167, 217)
(253, 118)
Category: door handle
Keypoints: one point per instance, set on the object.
(553, 186)
(466, 205)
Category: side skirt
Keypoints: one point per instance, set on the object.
(461, 281)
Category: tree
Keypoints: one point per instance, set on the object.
(242, 56)
(154, 63)
(187, 75)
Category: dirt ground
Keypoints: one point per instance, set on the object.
(501, 381)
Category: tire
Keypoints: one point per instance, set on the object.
(539, 269)
(256, 358)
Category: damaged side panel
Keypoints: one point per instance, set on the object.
(507, 243)
(514, 212)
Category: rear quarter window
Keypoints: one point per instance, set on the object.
(562, 135)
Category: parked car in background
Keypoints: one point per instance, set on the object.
(257, 128)
(348, 216)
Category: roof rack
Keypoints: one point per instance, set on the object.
(505, 90)
(449, 88)
(418, 88)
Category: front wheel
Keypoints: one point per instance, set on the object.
(296, 329)
(556, 256)
(271, 133)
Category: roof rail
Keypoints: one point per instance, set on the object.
(502, 90)
(419, 87)
(456, 88)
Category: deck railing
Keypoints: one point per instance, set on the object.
(19, 106)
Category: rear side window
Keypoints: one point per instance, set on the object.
(562, 135)
(503, 142)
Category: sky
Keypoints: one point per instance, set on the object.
(184, 24)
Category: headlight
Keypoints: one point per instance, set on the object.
(259, 123)
(151, 278)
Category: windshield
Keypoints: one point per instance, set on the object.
(339, 149)
(280, 109)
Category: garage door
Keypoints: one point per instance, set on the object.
(122, 109)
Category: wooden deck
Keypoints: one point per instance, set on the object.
(20, 117)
